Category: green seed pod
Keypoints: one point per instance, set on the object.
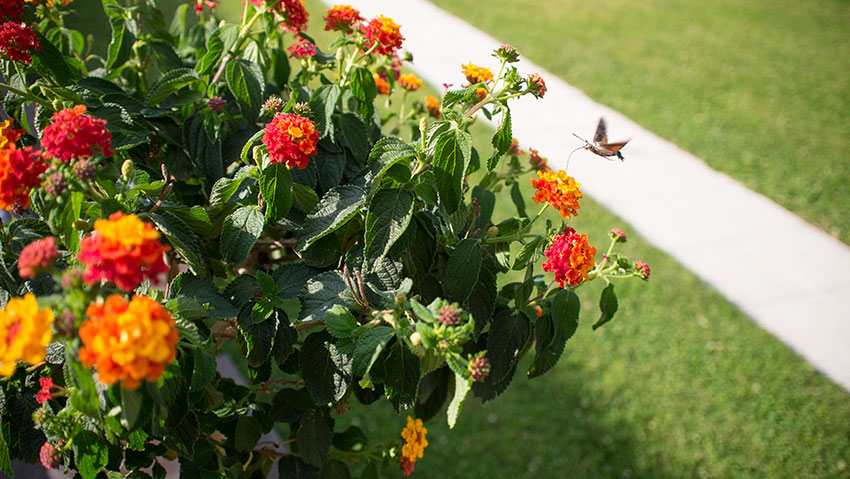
(127, 170)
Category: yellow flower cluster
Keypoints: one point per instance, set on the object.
(127, 230)
(410, 82)
(24, 333)
(414, 440)
(476, 74)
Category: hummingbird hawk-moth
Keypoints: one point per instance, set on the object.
(600, 145)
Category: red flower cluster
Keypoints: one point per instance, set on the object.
(44, 394)
(296, 15)
(342, 18)
(73, 134)
(19, 173)
(642, 269)
(569, 257)
(301, 49)
(36, 256)
(8, 133)
(291, 139)
(123, 250)
(11, 10)
(16, 42)
(50, 455)
(385, 33)
(199, 6)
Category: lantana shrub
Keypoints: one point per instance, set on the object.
(208, 184)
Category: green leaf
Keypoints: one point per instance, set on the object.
(352, 439)
(50, 62)
(501, 140)
(90, 453)
(482, 301)
(339, 322)
(322, 104)
(386, 153)
(292, 467)
(121, 46)
(219, 42)
(134, 408)
(356, 136)
(240, 231)
(84, 394)
(462, 270)
(461, 388)
(527, 253)
(371, 472)
(259, 337)
(183, 435)
(364, 89)
(403, 373)
(5, 459)
(486, 200)
(169, 83)
(204, 368)
(246, 81)
(338, 206)
(305, 196)
(276, 187)
(248, 432)
(608, 305)
(325, 369)
(204, 152)
(451, 158)
(508, 334)
(335, 470)
(368, 347)
(389, 215)
(553, 330)
(182, 239)
(322, 293)
(314, 438)
(224, 190)
(518, 199)
(458, 96)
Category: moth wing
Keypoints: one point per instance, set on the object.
(600, 136)
(614, 147)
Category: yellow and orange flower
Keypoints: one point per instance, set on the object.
(432, 104)
(383, 31)
(559, 190)
(123, 250)
(343, 18)
(475, 74)
(382, 85)
(8, 134)
(410, 82)
(291, 139)
(414, 440)
(128, 341)
(24, 333)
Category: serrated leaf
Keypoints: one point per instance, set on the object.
(389, 215)
(182, 239)
(248, 432)
(183, 435)
(239, 233)
(339, 322)
(134, 408)
(292, 467)
(368, 347)
(90, 453)
(403, 374)
(246, 81)
(259, 337)
(325, 369)
(203, 369)
(50, 62)
(84, 394)
(5, 459)
(314, 438)
(305, 196)
(608, 305)
(370, 472)
(509, 332)
(322, 293)
(518, 199)
(553, 330)
(334, 210)
(451, 159)
(322, 105)
(461, 389)
(501, 140)
(356, 136)
(219, 42)
(482, 301)
(169, 83)
(527, 253)
(276, 187)
(462, 270)
(335, 469)
(121, 46)
(453, 97)
(364, 89)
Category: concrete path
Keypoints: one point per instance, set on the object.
(788, 276)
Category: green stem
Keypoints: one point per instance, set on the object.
(508, 239)
(539, 214)
(26, 95)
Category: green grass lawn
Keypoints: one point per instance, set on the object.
(759, 90)
(681, 384)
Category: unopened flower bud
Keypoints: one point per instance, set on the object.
(342, 407)
(84, 169)
(301, 109)
(617, 235)
(215, 103)
(449, 315)
(50, 455)
(273, 104)
(400, 299)
(39, 416)
(65, 323)
(72, 278)
(507, 53)
(493, 231)
(416, 338)
(536, 85)
(257, 154)
(642, 269)
(444, 345)
(423, 126)
(55, 184)
(127, 170)
(479, 368)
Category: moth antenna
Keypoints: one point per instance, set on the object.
(570, 156)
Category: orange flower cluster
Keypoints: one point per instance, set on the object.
(128, 341)
(475, 74)
(410, 82)
(19, 174)
(432, 104)
(382, 85)
(123, 250)
(570, 257)
(559, 190)
(385, 32)
(291, 139)
(414, 444)
(343, 18)
(24, 333)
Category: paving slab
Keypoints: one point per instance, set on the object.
(741, 243)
